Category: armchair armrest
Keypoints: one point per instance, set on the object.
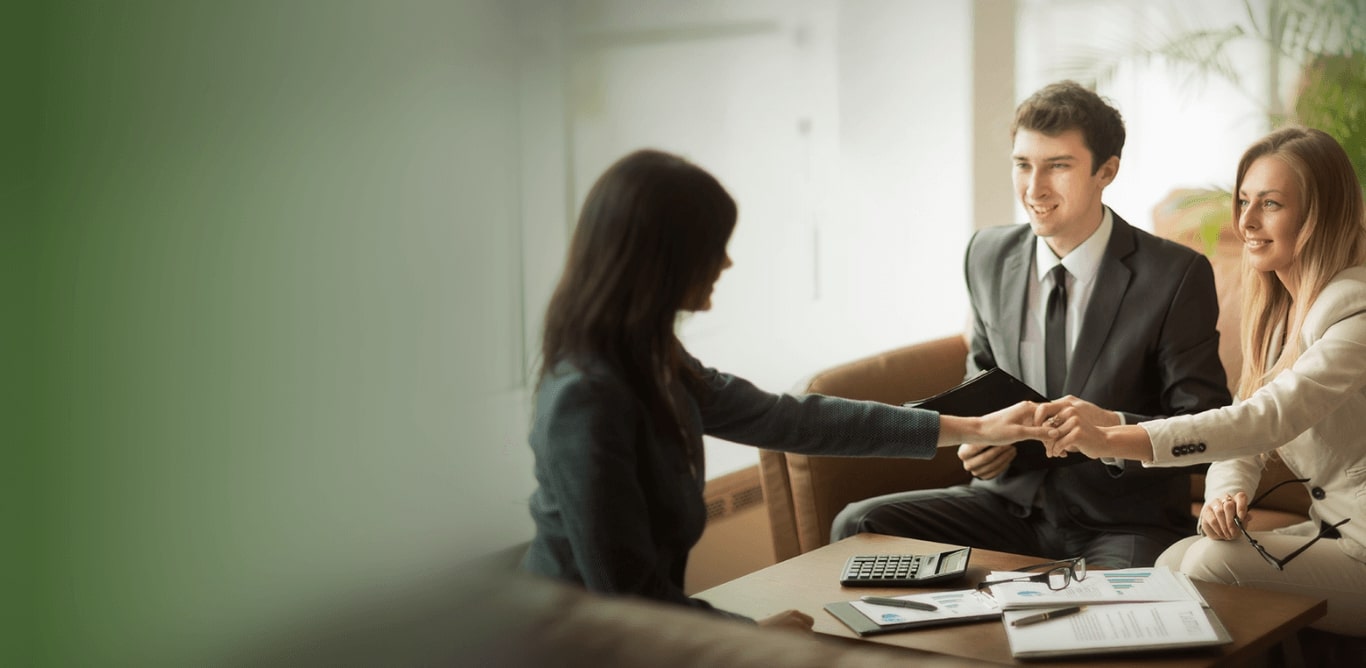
(803, 493)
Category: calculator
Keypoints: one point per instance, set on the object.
(905, 570)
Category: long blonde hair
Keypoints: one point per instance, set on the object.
(1332, 237)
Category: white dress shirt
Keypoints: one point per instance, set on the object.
(1082, 264)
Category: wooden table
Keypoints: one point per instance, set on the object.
(1257, 619)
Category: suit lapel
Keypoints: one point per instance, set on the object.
(1015, 293)
(1112, 281)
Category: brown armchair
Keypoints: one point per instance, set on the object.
(805, 493)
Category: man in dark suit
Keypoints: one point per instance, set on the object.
(1077, 304)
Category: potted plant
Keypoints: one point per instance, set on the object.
(1325, 40)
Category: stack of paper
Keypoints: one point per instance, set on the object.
(1127, 610)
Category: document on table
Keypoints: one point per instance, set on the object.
(952, 607)
(1117, 627)
(1125, 585)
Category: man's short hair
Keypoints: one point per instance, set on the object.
(1059, 107)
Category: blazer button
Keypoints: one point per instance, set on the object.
(1317, 493)
(1200, 448)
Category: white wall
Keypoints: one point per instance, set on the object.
(844, 131)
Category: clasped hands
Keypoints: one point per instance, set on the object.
(1078, 424)
(1074, 425)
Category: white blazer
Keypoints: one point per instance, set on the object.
(1313, 414)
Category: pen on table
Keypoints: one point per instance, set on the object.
(1045, 616)
(899, 603)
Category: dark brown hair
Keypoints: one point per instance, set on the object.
(652, 230)
(1066, 105)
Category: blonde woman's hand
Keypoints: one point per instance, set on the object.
(1216, 517)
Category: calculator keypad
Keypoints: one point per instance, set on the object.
(899, 570)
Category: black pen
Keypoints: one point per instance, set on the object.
(1045, 616)
(899, 603)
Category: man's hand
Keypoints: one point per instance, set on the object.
(986, 461)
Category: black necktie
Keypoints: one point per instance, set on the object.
(1055, 335)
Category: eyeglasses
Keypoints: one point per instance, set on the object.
(1326, 530)
(1058, 575)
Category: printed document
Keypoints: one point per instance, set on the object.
(1125, 585)
(950, 604)
(1117, 627)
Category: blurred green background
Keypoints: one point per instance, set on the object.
(248, 253)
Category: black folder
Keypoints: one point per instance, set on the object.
(986, 392)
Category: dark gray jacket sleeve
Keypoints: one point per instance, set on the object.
(812, 424)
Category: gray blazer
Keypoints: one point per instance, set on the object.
(618, 508)
(1148, 348)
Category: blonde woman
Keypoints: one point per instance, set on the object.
(1302, 391)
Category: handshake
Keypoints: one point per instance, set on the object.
(1064, 426)
(1080, 426)
(1070, 425)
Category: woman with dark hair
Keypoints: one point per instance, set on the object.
(1302, 392)
(621, 407)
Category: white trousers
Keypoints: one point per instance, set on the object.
(1322, 571)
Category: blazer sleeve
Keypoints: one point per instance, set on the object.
(1330, 370)
(1241, 474)
(591, 471)
(736, 410)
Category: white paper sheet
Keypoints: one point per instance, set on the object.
(1114, 586)
(951, 604)
(1115, 627)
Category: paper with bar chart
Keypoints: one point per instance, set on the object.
(1127, 585)
(1124, 610)
(1117, 628)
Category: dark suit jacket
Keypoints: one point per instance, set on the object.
(1148, 348)
(617, 507)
